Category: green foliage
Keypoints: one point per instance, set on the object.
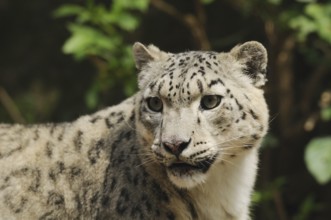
(270, 141)
(87, 41)
(316, 19)
(207, 1)
(326, 114)
(68, 10)
(267, 193)
(120, 5)
(318, 159)
(275, 2)
(97, 33)
(307, 207)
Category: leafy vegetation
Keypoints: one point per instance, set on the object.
(316, 19)
(318, 159)
(97, 32)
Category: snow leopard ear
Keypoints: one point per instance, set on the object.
(143, 55)
(253, 57)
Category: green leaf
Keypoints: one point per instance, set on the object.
(321, 14)
(99, 14)
(306, 208)
(275, 2)
(270, 141)
(256, 197)
(326, 114)
(140, 5)
(127, 22)
(207, 2)
(86, 40)
(318, 159)
(68, 10)
(303, 25)
(92, 98)
(306, 1)
(315, 19)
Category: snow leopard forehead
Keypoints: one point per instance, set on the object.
(185, 76)
(246, 63)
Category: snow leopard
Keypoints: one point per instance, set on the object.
(185, 146)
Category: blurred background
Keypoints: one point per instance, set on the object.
(60, 60)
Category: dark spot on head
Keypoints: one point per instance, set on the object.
(36, 134)
(60, 137)
(239, 105)
(78, 140)
(95, 119)
(200, 86)
(151, 86)
(160, 86)
(243, 117)
(108, 123)
(253, 114)
(193, 75)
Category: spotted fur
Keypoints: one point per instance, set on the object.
(190, 153)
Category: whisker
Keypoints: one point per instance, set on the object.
(146, 162)
(238, 139)
(227, 153)
(229, 162)
(127, 122)
(234, 147)
(273, 118)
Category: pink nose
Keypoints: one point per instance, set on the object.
(176, 147)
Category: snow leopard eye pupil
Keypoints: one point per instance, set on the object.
(210, 101)
(155, 104)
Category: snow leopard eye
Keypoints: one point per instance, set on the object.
(210, 101)
(154, 104)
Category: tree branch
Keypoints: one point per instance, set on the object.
(201, 14)
(193, 23)
(284, 68)
(316, 78)
(10, 106)
(279, 204)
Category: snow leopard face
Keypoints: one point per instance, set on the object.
(199, 110)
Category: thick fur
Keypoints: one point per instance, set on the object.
(115, 164)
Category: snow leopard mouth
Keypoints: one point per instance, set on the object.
(179, 168)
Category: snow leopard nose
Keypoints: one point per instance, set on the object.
(176, 147)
